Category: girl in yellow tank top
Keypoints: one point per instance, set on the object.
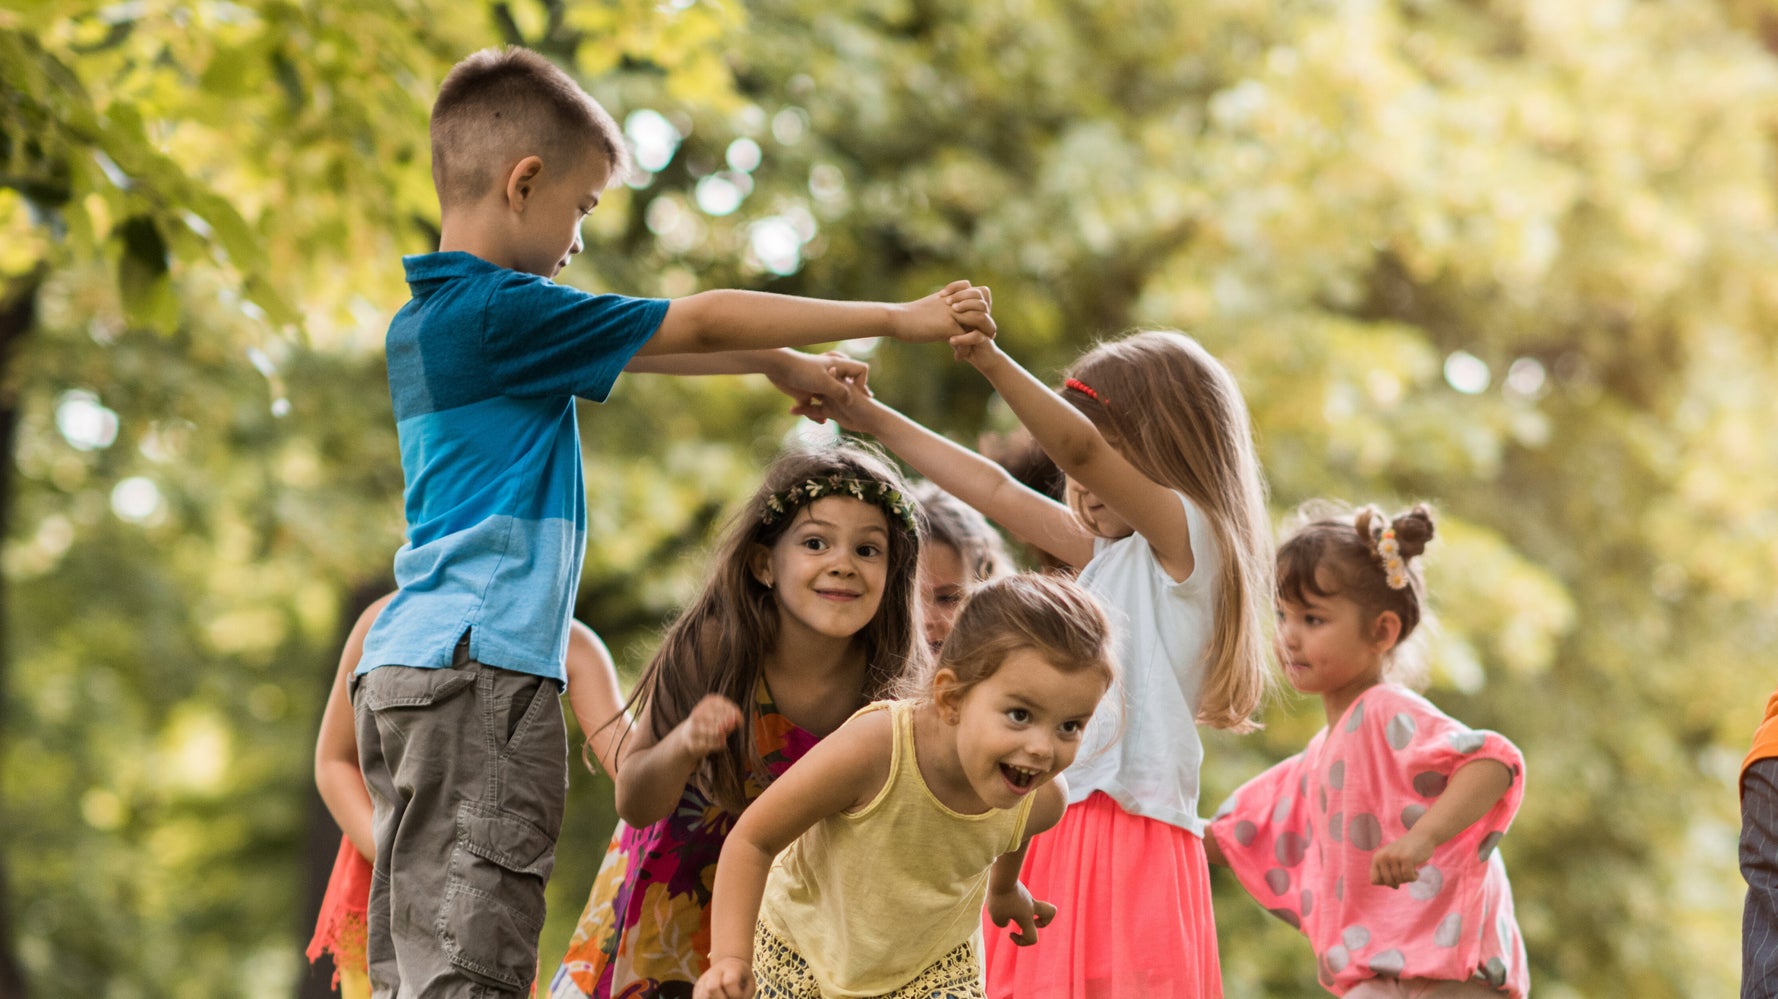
(892, 832)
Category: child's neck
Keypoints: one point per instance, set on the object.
(816, 684)
(1335, 702)
(935, 751)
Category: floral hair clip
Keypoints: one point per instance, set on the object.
(1394, 568)
(781, 504)
(1084, 389)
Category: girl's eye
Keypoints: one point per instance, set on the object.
(1311, 619)
(1018, 716)
(869, 551)
(1072, 727)
(949, 599)
(814, 544)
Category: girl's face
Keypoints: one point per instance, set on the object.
(1020, 727)
(827, 572)
(1333, 648)
(1094, 515)
(943, 585)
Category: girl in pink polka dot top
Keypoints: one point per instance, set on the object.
(1378, 839)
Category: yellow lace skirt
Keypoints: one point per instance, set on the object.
(783, 974)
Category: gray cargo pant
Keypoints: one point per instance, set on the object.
(468, 771)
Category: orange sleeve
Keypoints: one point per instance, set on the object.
(1765, 738)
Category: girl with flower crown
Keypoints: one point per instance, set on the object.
(809, 614)
(1377, 841)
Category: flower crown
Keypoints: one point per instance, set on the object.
(781, 504)
(1395, 568)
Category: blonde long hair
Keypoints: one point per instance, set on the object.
(719, 643)
(1175, 413)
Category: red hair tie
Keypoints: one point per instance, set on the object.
(1084, 389)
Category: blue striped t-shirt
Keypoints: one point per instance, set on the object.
(484, 366)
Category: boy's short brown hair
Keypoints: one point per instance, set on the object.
(505, 101)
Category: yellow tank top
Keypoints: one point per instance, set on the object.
(871, 898)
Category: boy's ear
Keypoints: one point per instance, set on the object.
(521, 182)
(759, 562)
(1386, 631)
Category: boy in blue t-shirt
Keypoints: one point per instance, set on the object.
(459, 732)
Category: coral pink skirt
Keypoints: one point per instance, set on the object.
(1133, 915)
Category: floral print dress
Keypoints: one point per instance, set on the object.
(645, 933)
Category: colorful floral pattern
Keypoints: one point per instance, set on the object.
(645, 933)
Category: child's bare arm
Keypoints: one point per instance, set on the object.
(749, 320)
(1031, 516)
(1212, 851)
(337, 773)
(1472, 790)
(1008, 898)
(1075, 445)
(651, 775)
(594, 697)
(796, 373)
(843, 771)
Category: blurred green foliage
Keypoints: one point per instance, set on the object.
(1514, 258)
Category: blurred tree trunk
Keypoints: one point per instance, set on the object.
(17, 308)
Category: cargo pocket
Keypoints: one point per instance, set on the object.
(493, 905)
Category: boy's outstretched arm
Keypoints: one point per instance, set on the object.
(1472, 790)
(800, 375)
(711, 321)
(1031, 516)
(842, 771)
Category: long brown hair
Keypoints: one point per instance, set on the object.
(718, 644)
(1048, 614)
(1175, 413)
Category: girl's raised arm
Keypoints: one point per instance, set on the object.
(1031, 516)
(1074, 444)
(842, 772)
(593, 695)
(651, 775)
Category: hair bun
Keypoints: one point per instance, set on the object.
(1413, 530)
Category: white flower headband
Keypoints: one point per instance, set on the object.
(780, 504)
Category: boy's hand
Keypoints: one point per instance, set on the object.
(812, 378)
(707, 728)
(728, 978)
(1016, 905)
(956, 310)
(1399, 862)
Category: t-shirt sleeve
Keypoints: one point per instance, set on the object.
(1263, 832)
(546, 339)
(1430, 746)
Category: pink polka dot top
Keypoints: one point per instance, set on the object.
(1300, 837)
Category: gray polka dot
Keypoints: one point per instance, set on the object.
(1278, 879)
(1336, 775)
(1245, 831)
(1340, 888)
(1321, 794)
(1428, 884)
(1281, 810)
(1389, 963)
(1429, 784)
(1292, 918)
(1400, 731)
(1302, 785)
(1338, 958)
(1489, 842)
(1411, 815)
(1450, 931)
(1364, 832)
(1355, 937)
(1494, 969)
(1308, 902)
(1356, 718)
(1323, 973)
(1336, 825)
(1466, 742)
(1228, 806)
(1290, 849)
